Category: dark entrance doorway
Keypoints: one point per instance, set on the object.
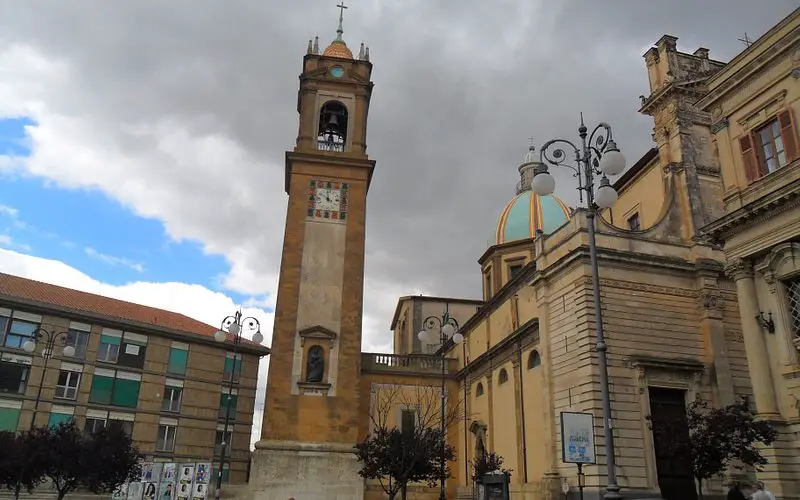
(670, 435)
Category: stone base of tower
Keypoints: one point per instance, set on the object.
(284, 470)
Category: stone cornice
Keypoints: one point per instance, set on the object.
(731, 81)
(498, 299)
(761, 210)
(329, 159)
(524, 336)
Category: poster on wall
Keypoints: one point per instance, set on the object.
(577, 438)
(185, 479)
(150, 491)
(151, 472)
(166, 487)
(199, 491)
(121, 493)
(168, 473)
(135, 490)
(202, 473)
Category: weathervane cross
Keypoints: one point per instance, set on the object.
(746, 41)
(341, 6)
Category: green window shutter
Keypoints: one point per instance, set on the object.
(101, 389)
(228, 365)
(57, 418)
(9, 419)
(223, 405)
(126, 393)
(105, 339)
(178, 359)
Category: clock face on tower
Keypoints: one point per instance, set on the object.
(327, 200)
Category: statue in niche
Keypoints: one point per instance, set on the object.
(479, 430)
(315, 365)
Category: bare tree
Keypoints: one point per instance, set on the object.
(399, 456)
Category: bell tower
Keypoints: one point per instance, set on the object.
(313, 391)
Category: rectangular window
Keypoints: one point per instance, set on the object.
(125, 420)
(172, 398)
(793, 293)
(19, 332)
(165, 441)
(771, 150)
(78, 338)
(115, 387)
(5, 316)
(108, 350)
(226, 399)
(514, 269)
(93, 425)
(59, 414)
(178, 359)
(487, 284)
(223, 436)
(770, 147)
(9, 414)
(634, 223)
(408, 421)
(68, 383)
(14, 372)
(233, 368)
(226, 473)
(132, 350)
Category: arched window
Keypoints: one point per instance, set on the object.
(503, 377)
(332, 132)
(479, 390)
(534, 360)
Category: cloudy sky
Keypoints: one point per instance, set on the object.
(142, 142)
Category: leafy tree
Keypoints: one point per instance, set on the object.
(111, 459)
(717, 437)
(397, 457)
(21, 462)
(99, 463)
(489, 462)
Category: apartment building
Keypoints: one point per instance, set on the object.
(160, 373)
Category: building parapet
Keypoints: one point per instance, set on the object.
(406, 363)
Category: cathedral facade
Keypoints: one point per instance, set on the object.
(678, 313)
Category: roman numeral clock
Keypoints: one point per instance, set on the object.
(327, 200)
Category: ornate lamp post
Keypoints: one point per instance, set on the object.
(233, 326)
(436, 329)
(49, 338)
(596, 156)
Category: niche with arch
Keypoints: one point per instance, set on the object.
(332, 131)
(316, 344)
(479, 390)
(534, 360)
(502, 377)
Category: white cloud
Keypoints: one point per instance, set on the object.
(114, 261)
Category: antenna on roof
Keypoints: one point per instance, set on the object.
(746, 41)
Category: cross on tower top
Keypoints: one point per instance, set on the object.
(746, 41)
(340, 30)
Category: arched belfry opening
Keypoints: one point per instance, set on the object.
(332, 134)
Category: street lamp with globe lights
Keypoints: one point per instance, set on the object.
(49, 338)
(441, 330)
(597, 155)
(233, 326)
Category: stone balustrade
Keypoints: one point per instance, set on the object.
(410, 363)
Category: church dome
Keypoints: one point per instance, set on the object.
(338, 48)
(527, 213)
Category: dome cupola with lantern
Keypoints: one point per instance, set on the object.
(528, 214)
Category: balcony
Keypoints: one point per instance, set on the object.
(406, 363)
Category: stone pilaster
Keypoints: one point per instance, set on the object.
(741, 271)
